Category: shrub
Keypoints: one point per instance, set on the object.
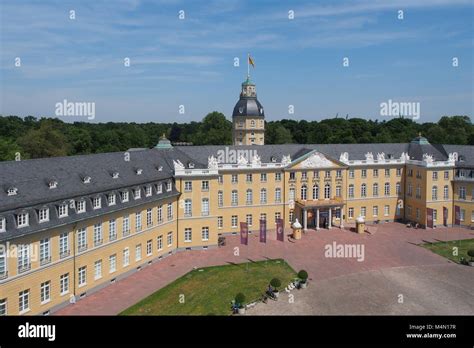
(240, 299)
(276, 283)
(470, 252)
(303, 275)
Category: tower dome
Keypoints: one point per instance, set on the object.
(248, 117)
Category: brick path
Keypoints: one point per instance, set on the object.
(390, 245)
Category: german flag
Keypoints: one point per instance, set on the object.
(251, 62)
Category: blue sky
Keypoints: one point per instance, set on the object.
(190, 62)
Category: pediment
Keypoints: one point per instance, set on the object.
(315, 160)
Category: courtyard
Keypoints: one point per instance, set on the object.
(395, 275)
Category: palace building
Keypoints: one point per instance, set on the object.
(72, 225)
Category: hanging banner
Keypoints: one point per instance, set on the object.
(244, 233)
(263, 231)
(279, 230)
(457, 215)
(429, 217)
(445, 216)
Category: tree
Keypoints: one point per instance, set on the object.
(47, 141)
(214, 129)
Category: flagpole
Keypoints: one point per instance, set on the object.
(248, 65)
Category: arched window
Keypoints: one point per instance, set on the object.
(188, 207)
(263, 196)
(304, 191)
(315, 192)
(350, 191)
(387, 189)
(363, 190)
(375, 190)
(434, 193)
(249, 196)
(235, 200)
(327, 191)
(446, 192)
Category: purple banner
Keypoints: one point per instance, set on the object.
(457, 215)
(263, 231)
(445, 216)
(279, 230)
(244, 233)
(429, 217)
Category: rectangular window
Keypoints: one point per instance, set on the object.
(137, 193)
(188, 186)
(112, 263)
(124, 196)
(62, 210)
(263, 216)
(249, 219)
(3, 263)
(43, 215)
(159, 188)
(386, 210)
(148, 191)
(446, 175)
(64, 284)
(220, 222)
(364, 173)
(375, 210)
(170, 211)
(112, 230)
(126, 225)
(220, 179)
(169, 186)
(399, 171)
(188, 235)
(138, 252)
(98, 269)
(338, 174)
(24, 301)
(63, 245)
(138, 221)
(204, 185)
(235, 179)
(45, 251)
(205, 207)
(435, 175)
(81, 206)
(98, 237)
(277, 216)
(23, 258)
(463, 214)
(149, 219)
(263, 177)
(249, 178)
(363, 211)
(292, 176)
(82, 275)
(111, 199)
(220, 198)
(278, 195)
(160, 214)
(159, 243)
(22, 220)
(234, 221)
(96, 203)
(149, 247)
(3, 307)
(351, 173)
(277, 176)
(169, 239)
(45, 292)
(387, 173)
(376, 173)
(126, 257)
(205, 233)
(3, 224)
(351, 213)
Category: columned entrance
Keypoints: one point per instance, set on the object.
(321, 214)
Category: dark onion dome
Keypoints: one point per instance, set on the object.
(248, 107)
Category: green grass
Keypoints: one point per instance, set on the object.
(446, 249)
(209, 291)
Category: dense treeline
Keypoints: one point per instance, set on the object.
(45, 137)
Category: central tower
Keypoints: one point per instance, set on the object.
(248, 118)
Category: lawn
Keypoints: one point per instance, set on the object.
(209, 291)
(446, 249)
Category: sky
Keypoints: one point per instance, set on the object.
(299, 49)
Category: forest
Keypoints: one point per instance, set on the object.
(33, 137)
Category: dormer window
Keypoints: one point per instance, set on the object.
(22, 220)
(139, 171)
(3, 224)
(160, 168)
(86, 180)
(62, 210)
(81, 206)
(168, 186)
(148, 191)
(53, 184)
(12, 191)
(115, 175)
(124, 196)
(273, 159)
(43, 215)
(241, 110)
(159, 188)
(191, 165)
(111, 199)
(137, 193)
(97, 202)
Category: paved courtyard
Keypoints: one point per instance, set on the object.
(394, 267)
